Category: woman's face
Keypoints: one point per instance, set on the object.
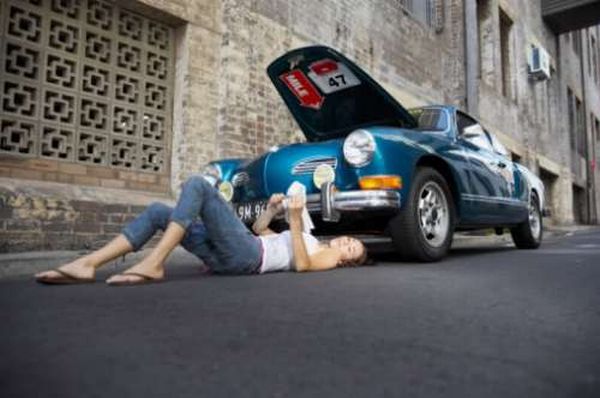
(351, 248)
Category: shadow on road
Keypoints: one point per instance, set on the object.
(390, 257)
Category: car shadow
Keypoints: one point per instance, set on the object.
(391, 257)
(471, 251)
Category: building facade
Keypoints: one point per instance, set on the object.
(107, 106)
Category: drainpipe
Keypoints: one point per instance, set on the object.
(588, 185)
(471, 56)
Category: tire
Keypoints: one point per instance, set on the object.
(422, 230)
(529, 233)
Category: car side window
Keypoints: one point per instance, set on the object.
(472, 132)
(498, 147)
(431, 119)
(463, 121)
(477, 136)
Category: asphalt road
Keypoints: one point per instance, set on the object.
(486, 322)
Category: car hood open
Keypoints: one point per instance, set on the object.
(330, 96)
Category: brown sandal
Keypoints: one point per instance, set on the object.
(64, 278)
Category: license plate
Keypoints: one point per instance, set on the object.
(249, 212)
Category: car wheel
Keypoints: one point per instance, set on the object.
(528, 234)
(423, 228)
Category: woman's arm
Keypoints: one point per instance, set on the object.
(322, 260)
(275, 206)
(261, 225)
(301, 258)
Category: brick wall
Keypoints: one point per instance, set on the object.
(73, 173)
(45, 216)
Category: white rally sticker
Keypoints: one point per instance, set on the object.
(331, 76)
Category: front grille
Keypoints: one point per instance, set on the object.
(309, 166)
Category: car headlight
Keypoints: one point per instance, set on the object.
(212, 173)
(359, 147)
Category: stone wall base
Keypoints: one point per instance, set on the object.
(38, 216)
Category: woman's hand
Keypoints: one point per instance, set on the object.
(274, 207)
(295, 205)
(275, 204)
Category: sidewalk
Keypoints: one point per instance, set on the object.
(28, 263)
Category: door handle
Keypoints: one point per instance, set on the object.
(502, 165)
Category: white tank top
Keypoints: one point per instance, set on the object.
(278, 254)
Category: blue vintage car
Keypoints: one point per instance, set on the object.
(376, 170)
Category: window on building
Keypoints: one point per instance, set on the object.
(577, 42)
(406, 4)
(580, 129)
(87, 87)
(579, 204)
(576, 123)
(593, 58)
(589, 58)
(506, 25)
(485, 41)
(597, 128)
(428, 12)
(572, 122)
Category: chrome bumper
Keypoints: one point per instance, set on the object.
(330, 203)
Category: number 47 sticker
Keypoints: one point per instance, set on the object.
(331, 76)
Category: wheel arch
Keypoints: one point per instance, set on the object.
(442, 167)
(537, 194)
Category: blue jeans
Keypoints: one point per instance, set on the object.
(213, 232)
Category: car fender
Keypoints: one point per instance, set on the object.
(228, 167)
(401, 152)
(534, 183)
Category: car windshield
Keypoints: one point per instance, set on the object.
(430, 119)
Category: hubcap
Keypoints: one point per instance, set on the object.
(434, 217)
(534, 220)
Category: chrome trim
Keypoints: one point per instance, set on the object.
(348, 201)
(328, 212)
(308, 166)
(375, 243)
(240, 179)
(493, 199)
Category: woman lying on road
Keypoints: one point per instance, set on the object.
(219, 238)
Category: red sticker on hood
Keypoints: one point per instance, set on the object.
(324, 67)
(303, 89)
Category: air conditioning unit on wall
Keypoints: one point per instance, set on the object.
(539, 63)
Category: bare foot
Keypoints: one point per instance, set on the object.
(147, 270)
(80, 269)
